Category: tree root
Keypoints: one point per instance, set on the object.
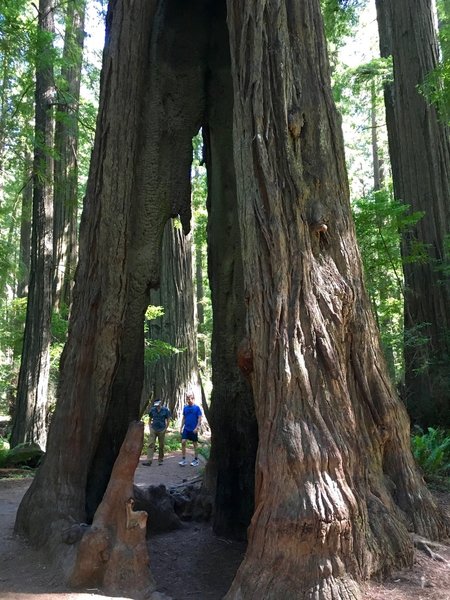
(425, 546)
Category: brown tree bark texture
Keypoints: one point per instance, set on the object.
(419, 146)
(234, 434)
(336, 486)
(170, 377)
(57, 495)
(171, 108)
(66, 164)
(113, 553)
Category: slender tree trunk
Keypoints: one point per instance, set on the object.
(170, 377)
(29, 424)
(420, 155)
(378, 174)
(200, 295)
(25, 230)
(336, 486)
(66, 165)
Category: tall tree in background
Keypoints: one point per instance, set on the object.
(25, 230)
(420, 156)
(30, 415)
(336, 490)
(66, 148)
(169, 377)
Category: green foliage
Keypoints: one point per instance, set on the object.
(380, 220)
(436, 87)
(200, 214)
(431, 450)
(340, 16)
(155, 349)
(153, 312)
(4, 450)
(172, 441)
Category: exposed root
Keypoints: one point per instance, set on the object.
(425, 546)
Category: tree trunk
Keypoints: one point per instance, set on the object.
(150, 108)
(170, 377)
(57, 496)
(420, 155)
(234, 434)
(200, 296)
(66, 146)
(25, 230)
(113, 553)
(29, 424)
(378, 174)
(336, 485)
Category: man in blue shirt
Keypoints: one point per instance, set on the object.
(159, 421)
(190, 426)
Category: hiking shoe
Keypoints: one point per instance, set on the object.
(195, 463)
(160, 462)
(147, 464)
(183, 462)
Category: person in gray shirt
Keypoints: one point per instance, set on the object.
(159, 421)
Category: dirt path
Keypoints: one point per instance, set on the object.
(188, 564)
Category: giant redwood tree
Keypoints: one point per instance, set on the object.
(336, 490)
(419, 147)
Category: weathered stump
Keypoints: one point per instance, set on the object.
(112, 554)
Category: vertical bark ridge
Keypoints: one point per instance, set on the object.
(230, 471)
(329, 507)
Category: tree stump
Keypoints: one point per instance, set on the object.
(113, 554)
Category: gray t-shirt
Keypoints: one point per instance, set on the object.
(159, 417)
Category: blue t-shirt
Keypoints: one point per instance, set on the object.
(159, 417)
(191, 413)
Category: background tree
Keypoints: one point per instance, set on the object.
(169, 377)
(420, 156)
(30, 414)
(66, 149)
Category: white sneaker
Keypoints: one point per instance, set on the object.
(195, 463)
(183, 462)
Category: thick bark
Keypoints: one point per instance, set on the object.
(57, 495)
(172, 110)
(140, 176)
(420, 154)
(29, 424)
(113, 553)
(170, 377)
(336, 485)
(66, 165)
(234, 434)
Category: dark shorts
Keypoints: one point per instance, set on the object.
(189, 435)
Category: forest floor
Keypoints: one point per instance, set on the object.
(189, 563)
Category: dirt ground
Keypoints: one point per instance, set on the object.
(188, 564)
